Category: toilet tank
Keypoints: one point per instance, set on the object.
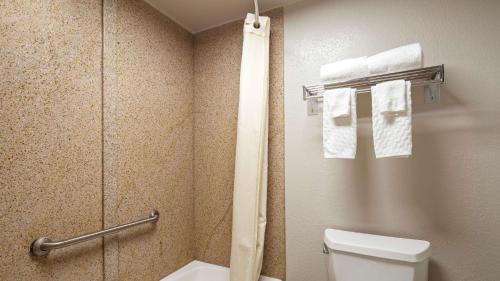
(357, 256)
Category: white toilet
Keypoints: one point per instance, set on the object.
(366, 257)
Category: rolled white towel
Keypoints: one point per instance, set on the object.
(344, 70)
(394, 60)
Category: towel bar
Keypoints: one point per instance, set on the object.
(43, 245)
(429, 77)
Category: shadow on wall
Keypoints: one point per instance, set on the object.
(435, 271)
(413, 177)
(422, 190)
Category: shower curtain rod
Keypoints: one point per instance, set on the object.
(256, 24)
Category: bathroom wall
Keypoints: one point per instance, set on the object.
(148, 148)
(217, 58)
(101, 124)
(50, 137)
(447, 192)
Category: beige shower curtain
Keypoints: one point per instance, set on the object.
(250, 180)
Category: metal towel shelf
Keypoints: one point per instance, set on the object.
(429, 77)
(43, 245)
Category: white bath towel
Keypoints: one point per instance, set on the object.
(392, 136)
(339, 133)
(394, 60)
(391, 96)
(344, 70)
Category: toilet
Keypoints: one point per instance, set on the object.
(365, 257)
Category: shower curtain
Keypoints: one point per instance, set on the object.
(250, 180)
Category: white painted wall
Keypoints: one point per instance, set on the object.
(448, 192)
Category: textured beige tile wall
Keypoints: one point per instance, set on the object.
(50, 136)
(217, 69)
(51, 142)
(148, 101)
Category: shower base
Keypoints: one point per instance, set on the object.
(200, 271)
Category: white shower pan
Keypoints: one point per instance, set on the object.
(200, 271)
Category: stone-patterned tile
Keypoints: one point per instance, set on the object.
(50, 137)
(148, 140)
(52, 151)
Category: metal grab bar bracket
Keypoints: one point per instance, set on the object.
(42, 246)
(36, 247)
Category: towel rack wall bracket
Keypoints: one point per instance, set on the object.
(432, 92)
(312, 104)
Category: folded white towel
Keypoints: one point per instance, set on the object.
(339, 133)
(391, 96)
(392, 133)
(398, 59)
(344, 70)
(339, 102)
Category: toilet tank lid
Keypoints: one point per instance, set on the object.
(393, 248)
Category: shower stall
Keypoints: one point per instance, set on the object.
(110, 110)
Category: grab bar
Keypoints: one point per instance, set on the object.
(43, 245)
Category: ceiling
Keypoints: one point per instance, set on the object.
(198, 15)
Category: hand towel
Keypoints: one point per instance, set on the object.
(394, 60)
(391, 96)
(339, 102)
(392, 135)
(344, 70)
(339, 133)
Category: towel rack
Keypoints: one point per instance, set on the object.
(429, 77)
(43, 245)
